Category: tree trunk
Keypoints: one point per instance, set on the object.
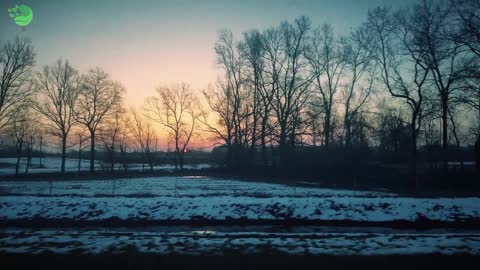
(64, 152)
(413, 137)
(347, 133)
(264, 152)
(29, 158)
(477, 154)
(181, 160)
(254, 136)
(17, 166)
(124, 159)
(41, 150)
(229, 154)
(79, 158)
(477, 143)
(92, 151)
(263, 141)
(327, 127)
(445, 131)
(283, 149)
(19, 156)
(112, 158)
(177, 157)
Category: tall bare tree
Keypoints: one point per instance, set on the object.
(360, 72)
(400, 61)
(272, 44)
(232, 63)
(327, 63)
(220, 101)
(176, 108)
(252, 50)
(17, 59)
(97, 100)
(57, 88)
(467, 19)
(293, 84)
(431, 25)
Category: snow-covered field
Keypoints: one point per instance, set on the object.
(49, 164)
(186, 198)
(182, 200)
(189, 186)
(52, 165)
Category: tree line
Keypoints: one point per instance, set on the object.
(85, 110)
(302, 85)
(404, 78)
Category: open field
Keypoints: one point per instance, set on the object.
(223, 216)
(53, 165)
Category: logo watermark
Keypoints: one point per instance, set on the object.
(22, 15)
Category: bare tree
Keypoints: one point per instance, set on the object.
(315, 120)
(17, 59)
(360, 69)
(327, 64)
(21, 131)
(124, 140)
(262, 93)
(57, 94)
(31, 139)
(176, 108)
(145, 138)
(293, 84)
(272, 44)
(98, 98)
(431, 25)
(430, 135)
(231, 61)
(252, 50)
(392, 131)
(82, 138)
(400, 61)
(467, 19)
(110, 135)
(220, 102)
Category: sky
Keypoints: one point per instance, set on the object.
(147, 43)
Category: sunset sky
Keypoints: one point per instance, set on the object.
(145, 43)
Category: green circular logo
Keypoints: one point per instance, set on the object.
(22, 15)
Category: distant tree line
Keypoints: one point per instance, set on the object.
(86, 110)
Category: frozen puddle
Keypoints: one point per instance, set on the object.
(218, 241)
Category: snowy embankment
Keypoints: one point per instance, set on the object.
(170, 200)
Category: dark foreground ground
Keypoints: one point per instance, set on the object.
(236, 261)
